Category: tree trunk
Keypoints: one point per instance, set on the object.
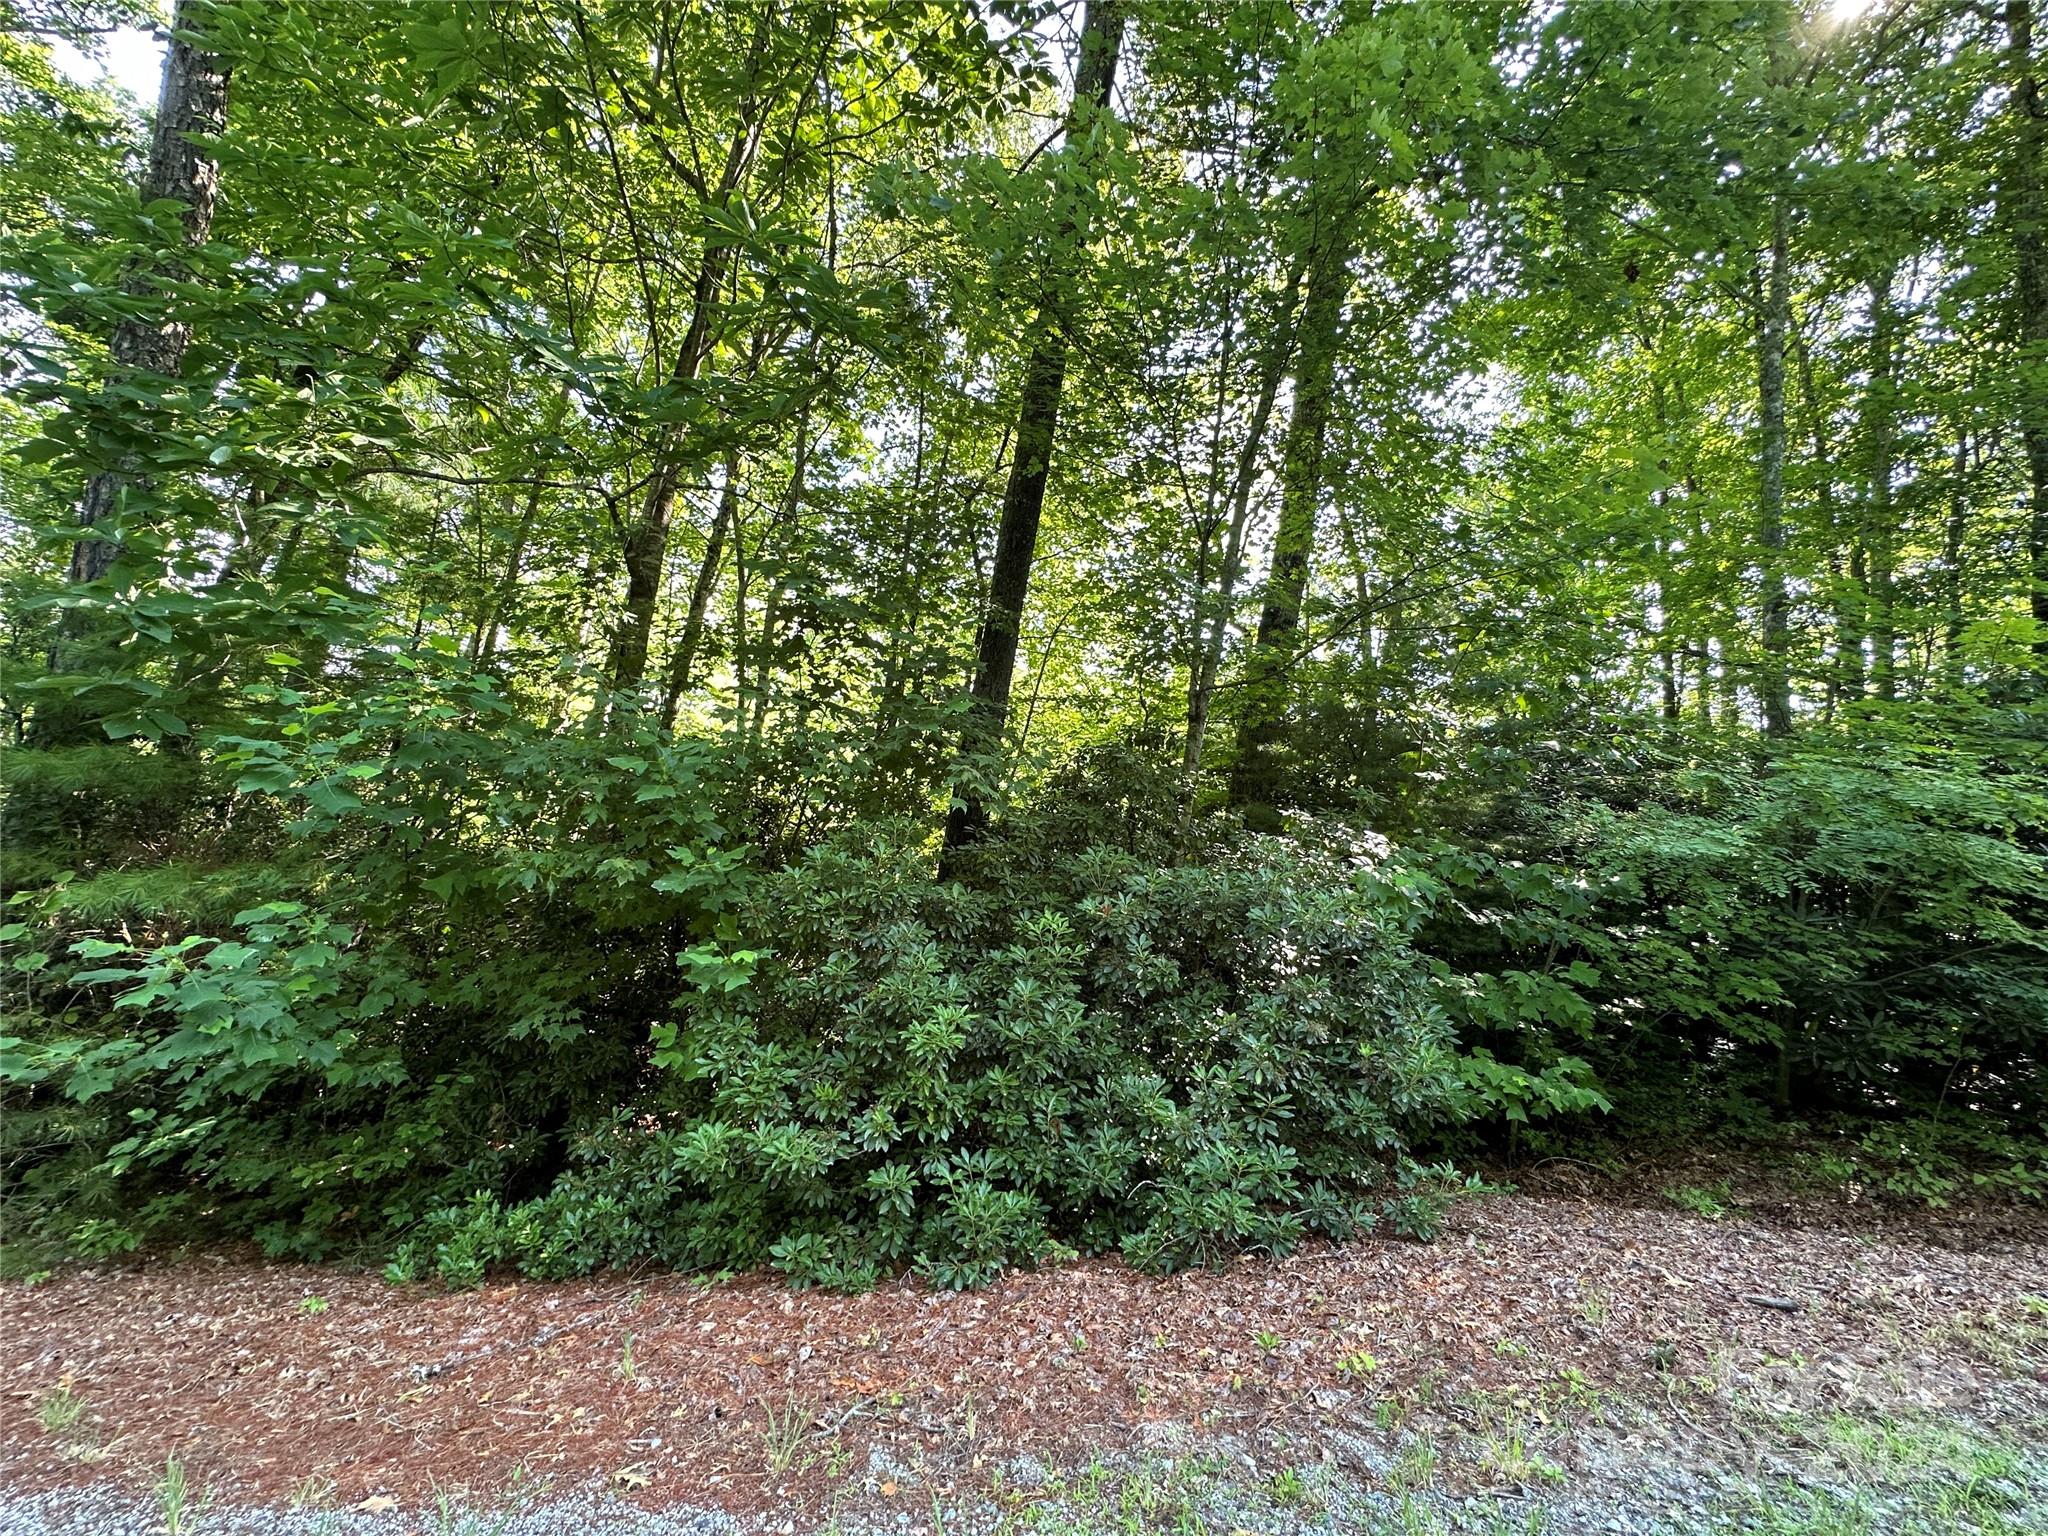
(1880, 538)
(754, 713)
(683, 666)
(1673, 703)
(193, 105)
(1851, 620)
(498, 611)
(484, 638)
(645, 550)
(1038, 408)
(1845, 680)
(569, 670)
(1953, 537)
(645, 545)
(2026, 212)
(1202, 682)
(1774, 607)
(1254, 776)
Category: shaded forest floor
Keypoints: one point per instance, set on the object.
(1554, 1362)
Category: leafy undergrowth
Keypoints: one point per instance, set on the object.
(1550, 1365)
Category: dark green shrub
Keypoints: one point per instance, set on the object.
(1847, 937)
(1863, 932)
(468, 976)
(1179, 1063)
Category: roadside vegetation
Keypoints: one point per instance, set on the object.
(873, 639)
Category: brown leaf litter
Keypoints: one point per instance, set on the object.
(747, 1395)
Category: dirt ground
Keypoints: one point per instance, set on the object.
(1538, 1335)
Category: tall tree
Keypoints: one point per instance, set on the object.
(683, 663)
(1774, 315)
(2025, 206)
(1275, 357)
(764, 77)
(1262, 709)
(1037, 429)
(182, 169)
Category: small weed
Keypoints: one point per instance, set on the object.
(1579, 1392)
(1713, 1201)
(1429, 1387)
(174, 1498)
(627, 1372)
(1414, 1467)
(1139, 1497)
(1510, 1349)
(1357, 1365)
(1267, 1341)
(1093, 1481)
(1510, 1455)
(451, 1519)
(2016, 1343)
(312, 1306)
(787, 1429)
(523, 1484)
(60, 1411)
(1794, 1511)
(1287, 1486)
(1885, 1449)
(312, 1491)
(1593, 1309)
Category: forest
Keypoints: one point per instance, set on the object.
(903, 636)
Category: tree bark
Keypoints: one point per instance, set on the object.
(1038, 408)
(1673, 702)
(2025, 207)
(1254, 776)
(1880, 538)
(484, 637)
(1202, 681)
(1774, 607)
(498, 610)
(753, 712)
(192, 105)
(569, 670)
(645, 546)
(683, 665)
(1952, 544)
(1845, 680)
